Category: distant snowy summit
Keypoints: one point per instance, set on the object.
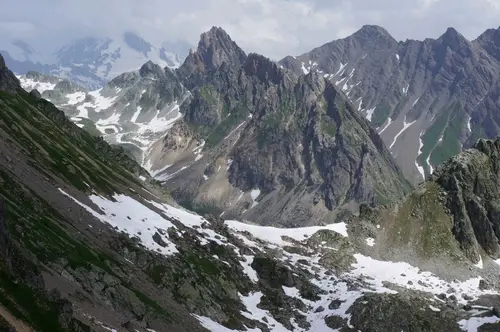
(92, 62)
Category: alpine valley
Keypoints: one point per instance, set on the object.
(234, 193)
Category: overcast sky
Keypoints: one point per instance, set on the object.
(274, 28)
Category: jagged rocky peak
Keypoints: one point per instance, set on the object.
(263, 68)
(152, 70)
(217, 47)
(39, 77)
(370, 31)
(490, 41)
(314, 82)
(33, 74)
(214, 49)
(490, 35)
(373, 35)
(453, 39)
(35, 94)
(67, 86)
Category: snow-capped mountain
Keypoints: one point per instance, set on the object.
(135, 109)
(92, 62)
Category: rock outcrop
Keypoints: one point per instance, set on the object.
(471, 185)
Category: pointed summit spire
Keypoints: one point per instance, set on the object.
(371, 32)
(453, 39)
(214, 49)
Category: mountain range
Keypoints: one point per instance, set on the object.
(92, 61)
(89, 241)
(427, 99)
(241, 136)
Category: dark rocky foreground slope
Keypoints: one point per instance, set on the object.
(443, 92)
(88, 242)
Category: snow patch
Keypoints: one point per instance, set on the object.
(75, 98)
(341, 69)
(168, 176)
(369, 113)
(304, 69)
(248, 269)
(389, 121)
(254, 194)
(473, 324)
(210, 325)
(405, 126)
(479, 264)
(136, 114)
(434, 308)
(161, 124)
(235, 129)
(400, 273)
(274, 235)
(429, 163)
(29, 84)
(405, 89)
(253, 312)
(420, 147)
(370, 242)
(128, 215)
(415, 102)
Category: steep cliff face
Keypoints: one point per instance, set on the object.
(215, 49)
(471, 183)
(270, 146)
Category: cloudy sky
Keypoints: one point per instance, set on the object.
(272, 27)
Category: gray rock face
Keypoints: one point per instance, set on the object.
(380, 313)
(427, 99)
(470, 181)
(294, 142)
(214, 49)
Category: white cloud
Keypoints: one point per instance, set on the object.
(274, 28)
